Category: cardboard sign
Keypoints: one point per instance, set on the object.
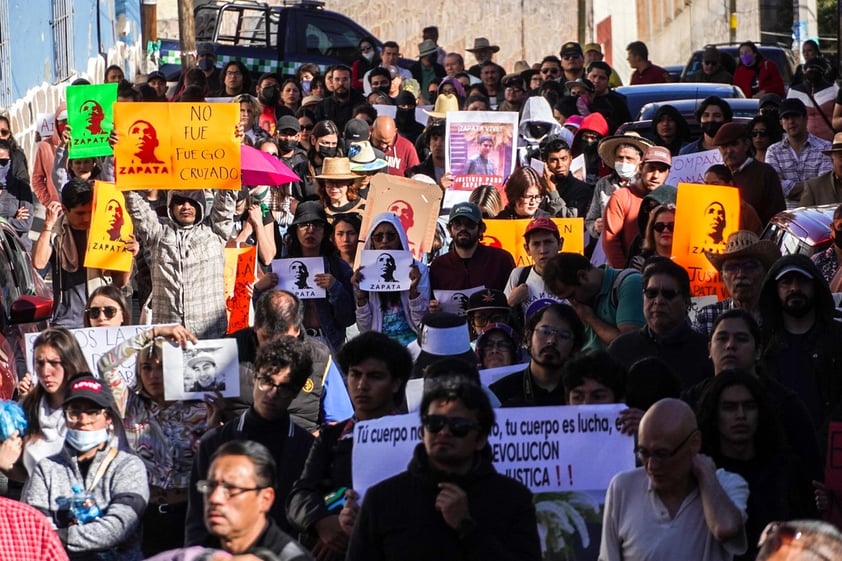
(480, 148)
(211, 365)
(188, 145)
(385, 270)
(508, 235)
(705, 215)
(45, 125)
(90, 116)
(691, 168)
(297, 275)
(455, 301)
(111, 227)
(415, 203)
(238, 274)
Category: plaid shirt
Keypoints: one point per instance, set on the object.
(795, 168)
(25, 533)
(708, 314)
(826, 262)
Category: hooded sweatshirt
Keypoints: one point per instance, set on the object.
(187, 285)
(42, 167)
(682, 132)
(370, 315)
(536, 110)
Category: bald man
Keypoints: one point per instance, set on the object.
(400, 153)
(678, 505)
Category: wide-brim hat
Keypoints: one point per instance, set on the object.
(836, 146)
(309, 211)
(608, 145)
(745, 244)
(481, 43)
(442, 335)
(427, 47)
(363, 159)
(336, 168)
(444, 104)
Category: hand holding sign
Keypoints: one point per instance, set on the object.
(386, 270)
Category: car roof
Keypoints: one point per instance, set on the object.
(741, 107)
(810, 224)
(638, 96)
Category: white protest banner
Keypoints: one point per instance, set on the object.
(209, 366)
(385, 270)
(490, 375)
(577, 167)
(690, 168)
(415, 388)
(455, 301)
(297, 275)
(548, 449)
(95, 342)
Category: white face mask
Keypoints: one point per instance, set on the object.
(84, 440)
(625, 170)
(369, 55)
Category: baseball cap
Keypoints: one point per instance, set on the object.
(356, 130)
(593, 47)
(466, 210)
(793, 269)
(791, 106)
(571, 48)
(288, 122)
(541, 223)
(658, 154)
(155, 75)
(85, 386)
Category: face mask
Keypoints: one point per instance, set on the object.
(205, 64)
(589, 146)
(327, 151)
(369, 55)
(287, 145)
(305, 86)
(625, 170)
(404, 115)
(270, 95)
(711, 128)
(84, 440)
(747, 59)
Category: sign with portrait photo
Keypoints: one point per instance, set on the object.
(480, 148)
(90, 116)
(385, 270)
(455, 301)
(298, 275)
(110, 229)
(209, 366)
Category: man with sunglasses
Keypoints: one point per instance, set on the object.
(677, 505)
(572, 62)
(281, 368)
(450, 500)
(711, 69)
(667, 334)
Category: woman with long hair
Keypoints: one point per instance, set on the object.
(107, 307)
(338, 188)
(346, 234)
(324, 143)
(657, 237)
(291, 95)
(236, 80)
(368, 58)
(764, 131)
(528, 196)
(488, 199)
(307, 121)
(755, 75)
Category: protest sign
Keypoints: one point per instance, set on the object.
(95, 342)
(209, 366)
(189, 145)
(45, 125)
(385, 271)
(455, 301)
(415, 388)
(577, 167)
(90, 116)
(705, 215)
(110, 229)
(238, 274)
(508, 235)
(480, 148)
(297, 275)
(415, 203)
(690, 168)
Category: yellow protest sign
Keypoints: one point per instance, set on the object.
(508, 235)
(110, 229)
(705, 215)
(238, 274)
(176, 145)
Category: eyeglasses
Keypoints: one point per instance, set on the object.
(208, 486)
(532, 198)
(645, 455)
(388, 236)
(497, 345)
(552, 70)
(732, 267)
(109, 311)
(458, 426)
(667, 293)
(481, 320)
(265, 383)
(661, 226)
(312, 226)
(780, 534)
(547, 332)
(73, 414)
(759, 132)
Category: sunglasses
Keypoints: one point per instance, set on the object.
(307, 127)
(709, 62)
(551, 70)
(757, 132)
(388, 236)
(568, 57)
(458, 426)
(780, 534)
(666, 293)
(661, 226)
(109, 311)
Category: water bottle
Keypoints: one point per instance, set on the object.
(83, 505)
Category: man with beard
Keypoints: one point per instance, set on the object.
(338, 107)
(552, 334)
(802, 339)
(468, 263)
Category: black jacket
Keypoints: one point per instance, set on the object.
(399, 521)
(275, 540)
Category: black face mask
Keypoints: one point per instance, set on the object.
(813, 76)
(327, 151)
(287, 145)
(404, 116)
(711, 128)
(589, 146)
(270, 95)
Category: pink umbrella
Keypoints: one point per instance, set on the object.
(261, 168)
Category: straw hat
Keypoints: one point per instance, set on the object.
(336, 168)
(745, 244)
(444, 104)
(608, 145)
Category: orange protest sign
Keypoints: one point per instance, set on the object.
(508, 235)
(188, 145)
(238, 274)
(705, 215)
(110, 229)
